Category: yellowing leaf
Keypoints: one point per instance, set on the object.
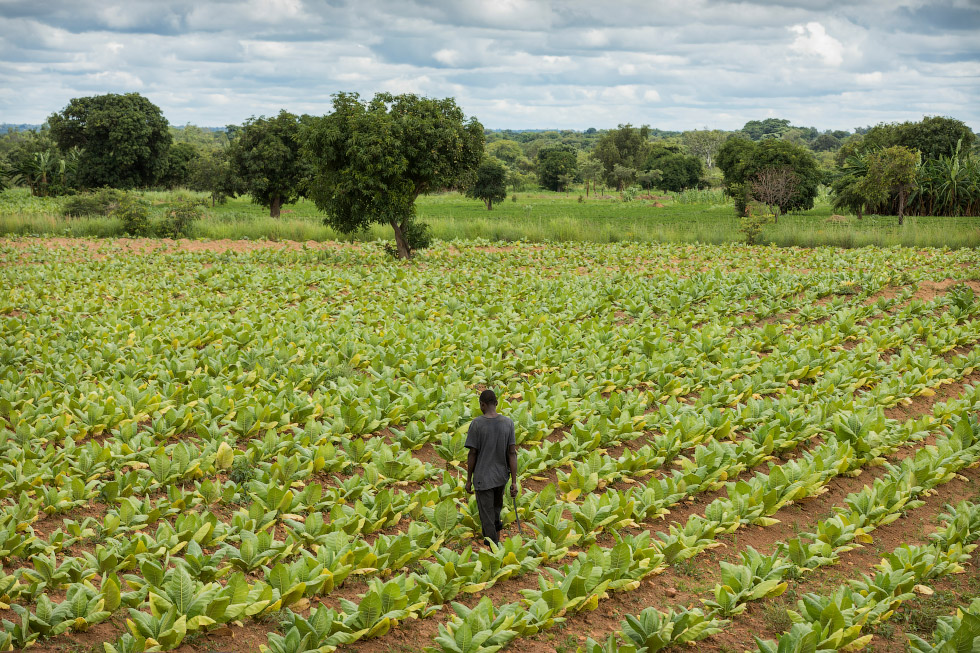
(225, 456)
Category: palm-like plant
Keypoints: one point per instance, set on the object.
(949, 185)
(845, 188)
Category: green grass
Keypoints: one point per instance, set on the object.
(695, 216)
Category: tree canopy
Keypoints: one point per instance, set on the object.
(211, 172)
(705, 143)
(890, 171)
(371, 160)
(933, 137)
(741, 160)
(124, 139)
(881, 170)
(825, 143)
(627, 147)
(266, 158)
(590, 168)
(757, 130)
(677, 170)
(506, 150)
(490, 183)
(555, 164)
(179, 159)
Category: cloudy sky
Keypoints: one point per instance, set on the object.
(672, 64)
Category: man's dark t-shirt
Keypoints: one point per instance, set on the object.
(490, 437)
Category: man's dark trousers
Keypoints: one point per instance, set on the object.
(490, 502)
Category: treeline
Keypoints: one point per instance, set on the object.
(647, 157)
(910, 168)
(125, 142)
(58, 158)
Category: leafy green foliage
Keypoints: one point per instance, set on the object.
(180, 157)
(134, 213)
(752, 223)
(678, 171)
(653, 630)
(756, 578)
(889, 171)
(555, 162)
(212, 172)
(99, 202)
(489, 184)
(179, 216)
(949, 185)
(627, 147)
(933, 137)
(124, 140)
(46, 172)
(265, 156)
(740, 160)
(221, 370)
(758, 130)
(372, 160)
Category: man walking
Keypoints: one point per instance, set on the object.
(493, 450)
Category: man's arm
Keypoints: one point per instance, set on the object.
(512, 461)
(470, 466)
(473, 441)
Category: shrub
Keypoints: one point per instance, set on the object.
(751, 225)
(630, 193)
(134, 212)
(99, 202)
(180, 214)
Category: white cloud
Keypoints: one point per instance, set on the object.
(269, 49)
(869, 78)
(447, 56)
(620, 93)
(419, 85)
(813, 40)
(595, 38)
(114, 79)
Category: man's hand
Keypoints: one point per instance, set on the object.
(469, 487)
(513, 489)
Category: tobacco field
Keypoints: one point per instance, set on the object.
(242, 446)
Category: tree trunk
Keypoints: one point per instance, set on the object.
(901, 207)
(860, 213)
(275, 207)
(403, 250)
(489, 205)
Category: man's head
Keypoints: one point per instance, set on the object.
(488, 400)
